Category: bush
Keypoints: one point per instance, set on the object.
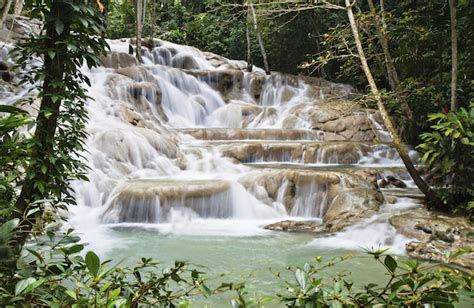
(448, 150)
(410, 284)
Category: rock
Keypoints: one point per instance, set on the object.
(6, 76)
(118, 60)
(184, 61)
(17, 28)
(390, 180)
(136, 73)
(152, 200)
(222, 81)
(351, 206)
(3, 66)
(436, 233)
(339, 198)
(296, 226)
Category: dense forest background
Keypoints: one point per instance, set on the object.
(316, 42)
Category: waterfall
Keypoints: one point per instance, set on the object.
(191, 139)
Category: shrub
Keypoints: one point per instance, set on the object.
(448, 150)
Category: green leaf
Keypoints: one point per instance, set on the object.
(51, 54)
(7, 228)
(11, 109)
(114, 293)
(59, 26)
(75, 249)
(301, 278)
(92, 263)
(71, 293)
(390, 263)
(23, 284)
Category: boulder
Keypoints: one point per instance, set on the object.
(184, 61)
(392, 181)
(118, 60)
(313, 226)
(351, 206)
(436, 233)
(17, 28)
(6, 76)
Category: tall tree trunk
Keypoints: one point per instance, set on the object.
(4, 12)
(422, 185)
(46, 124)
(138, 15)
(18, 7)
(454, 55)
(392, 74)
(247, 35)
(259, 37)
(152, 22)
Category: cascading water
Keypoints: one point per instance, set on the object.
(188, 139)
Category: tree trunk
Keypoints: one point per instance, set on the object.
(18, 7)
(138, 15)
(454, 55)
(46, 124)
(431, 197)
(259, 37)
(4, 12)
(392, 74)
(152, 22)
(247, 35)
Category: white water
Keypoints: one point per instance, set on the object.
(121, 154)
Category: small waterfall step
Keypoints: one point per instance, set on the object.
(164, 200)
(379, 171)
(150, 201)
(409, 192)
(251, 134)
(305, 152)
(312, 193)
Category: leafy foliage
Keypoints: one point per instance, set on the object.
(53, 273)
(410, 284)
(36, 170)
(449, 152)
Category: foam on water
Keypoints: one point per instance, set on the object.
(371, 233)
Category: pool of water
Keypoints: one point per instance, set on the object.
(237, 258)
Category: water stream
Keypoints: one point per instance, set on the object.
(191, 157)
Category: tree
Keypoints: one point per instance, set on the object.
(393, 78)
(4, 11)
(139, 27)
(422, 185)
(259, 37)
(73, 33)
(18, 7)
(454, 55)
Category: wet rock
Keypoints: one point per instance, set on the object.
(255, 134)
(351, 206)
(222, 81)
(17, 28)
(436, 233)
(296, 226)
(340, 199)
(152, 201)
(392, 181)
(136, 73)
(3, 66)
(343, 120)
(184, 61)
(6, 76)
(118, 60)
